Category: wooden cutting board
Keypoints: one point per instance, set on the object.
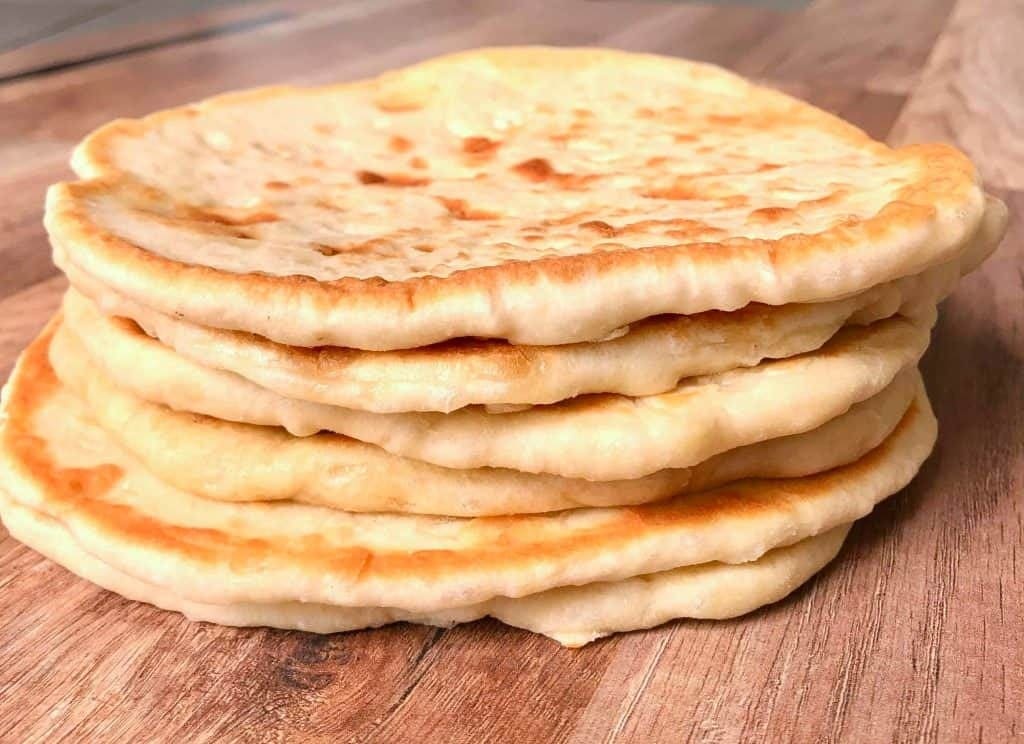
(914, 634)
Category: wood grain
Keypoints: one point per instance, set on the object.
(962, 97)
(913, 635)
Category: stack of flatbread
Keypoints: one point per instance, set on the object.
(578, 339)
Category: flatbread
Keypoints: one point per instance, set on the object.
(240, 462)
(54, 460)
(573, 616)
(544, 196)
(596, 437)
(647, 358)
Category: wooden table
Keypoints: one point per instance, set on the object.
(913, 635)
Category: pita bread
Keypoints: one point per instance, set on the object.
(239, 462)
(573, 616)
(543, 196)
(596, 437)
(649, 357)
(54, 460)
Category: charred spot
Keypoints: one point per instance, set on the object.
(369, 177)
(326, 250)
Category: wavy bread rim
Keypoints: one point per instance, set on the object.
(924, 224)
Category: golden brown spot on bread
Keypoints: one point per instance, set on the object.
(322, 128)
(678, 227)
(569, 219)
(461, 210)
(397, 143)
(723, 119)
(326, 250)
(328, 204)
(534, 169)
(684, 137)
(424, 248)
(703, 232)
(735, 200)
(417, 162)
(277, 185)
(601, 227)
(678, 191)
(375, 246)
(479, 146)
(657, 160)
(770, 214)
(539, 170)
(398, 105)
(234, 217)
(835, 197)
(646, 113)
(371, 178)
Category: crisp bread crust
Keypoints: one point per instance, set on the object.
(505, 232)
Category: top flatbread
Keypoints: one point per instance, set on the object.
(544, 196)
